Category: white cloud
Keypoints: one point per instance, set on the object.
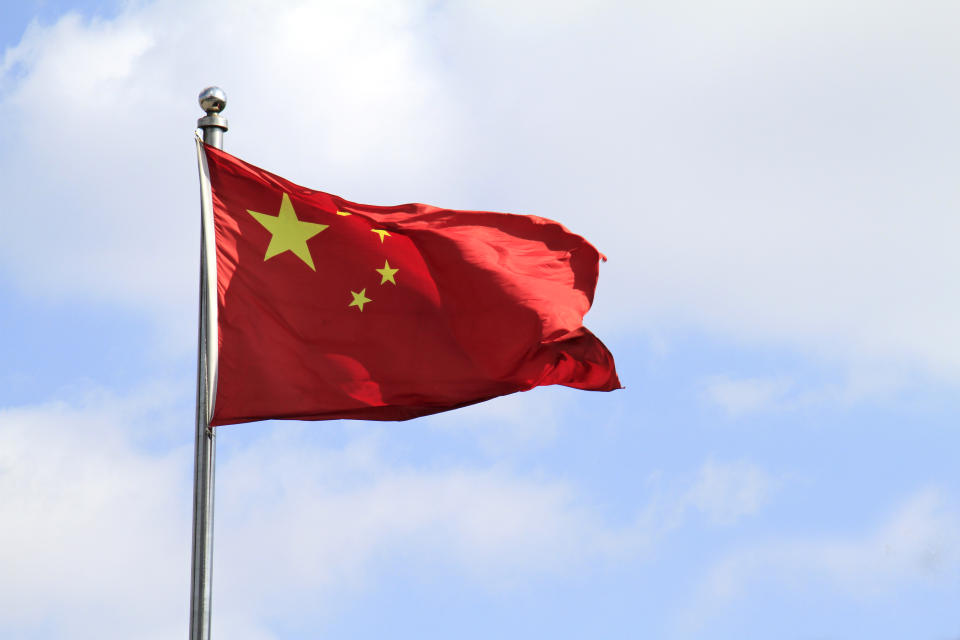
(773, 174)
(919, 542)
(297, 521)
(96, 520)
(727, 492)
(747, 395)
(93, 527)
(739, 397)
(95, 535)
(509, 423)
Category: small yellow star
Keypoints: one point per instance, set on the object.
(359, 299)
(381, 233)
(387, 273)
(288, 233)
(344, 213)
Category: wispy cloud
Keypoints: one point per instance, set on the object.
(515, 422)
(96, 525)
(747, 395)
(743, 396)
(919, 542)
(727, 492)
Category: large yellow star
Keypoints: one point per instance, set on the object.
(289, 233)
(359, 299)
(386, 274)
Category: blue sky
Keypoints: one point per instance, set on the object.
(775, 185)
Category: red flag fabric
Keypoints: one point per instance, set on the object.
(332, 309)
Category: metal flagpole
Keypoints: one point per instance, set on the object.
(212, 100)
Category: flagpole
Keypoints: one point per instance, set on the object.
(212, 100)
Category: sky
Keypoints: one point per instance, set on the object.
(775, 185)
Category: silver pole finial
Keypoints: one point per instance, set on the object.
(213, 100)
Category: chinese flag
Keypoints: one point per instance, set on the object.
(332, 309)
